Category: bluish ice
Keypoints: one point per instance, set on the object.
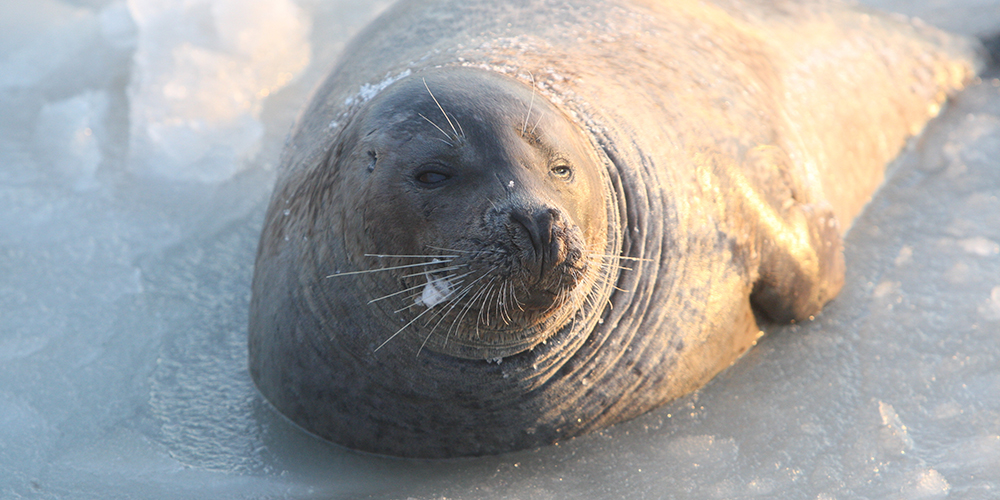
(138, 142)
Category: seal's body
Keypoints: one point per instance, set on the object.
(500, 225)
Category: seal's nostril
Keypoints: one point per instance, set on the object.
(539, 224)
(530, 224)
(545, 219)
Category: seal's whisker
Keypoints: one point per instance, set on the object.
(605, 265)
(441, 108)
(464, 290)
(608, 265)
(479, 317)
(513, 299)
(504, 314)
(533, 127)
(506, 303)
(432, 271)
(560, 297)
(392, 268)
(405, 327)
(393, 294)
(611, 265)
(559, 286)
(465, 311)
(444, 313)
(621, 257)
(415, 256)
(516, 301)
(413, 303)
(436, 126)
(603, 261)
(458, 293)
(449, 250)
(501, 296)
(496, 298)
(458, 277)
(415, 298)
(485, 300)
(591, 298)
(449, 278)
(499, 300)
(487, 289)
(531, 103)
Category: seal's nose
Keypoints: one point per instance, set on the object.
(539, 224)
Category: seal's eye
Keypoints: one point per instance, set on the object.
(562, 171)
(431, 178)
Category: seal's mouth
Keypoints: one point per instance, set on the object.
(503, 287)
(502, 296)
(552, 286)
(491, 289)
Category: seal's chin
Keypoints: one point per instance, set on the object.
(553, 288)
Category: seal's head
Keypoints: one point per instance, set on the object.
(482, 205)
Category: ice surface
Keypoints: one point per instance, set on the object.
(126, 254)
(68, 135)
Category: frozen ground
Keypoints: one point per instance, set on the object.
(136, 156)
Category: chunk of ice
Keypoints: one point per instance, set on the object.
(68, 134)
(202, 69)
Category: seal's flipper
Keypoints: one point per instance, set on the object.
(789, 242)
(799, 243)
(802, 264)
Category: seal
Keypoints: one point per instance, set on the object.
(497, 226)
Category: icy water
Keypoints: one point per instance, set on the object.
(137, 149)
